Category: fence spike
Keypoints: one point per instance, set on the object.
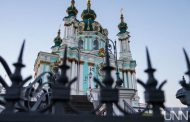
(107, 55)
(65, 56)
(19, 62)
(187, 62)
(64, 67)
(17, 77)
(150, 71)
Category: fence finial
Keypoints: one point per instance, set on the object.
(187, 62)
(150, 71)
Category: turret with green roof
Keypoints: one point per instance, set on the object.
(122, 25)
(58, 39)
(71, 10)
(88, 16)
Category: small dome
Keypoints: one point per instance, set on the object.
(72, 11)
(88, 13)
(89, 23)
(122, 26)
(58, 39)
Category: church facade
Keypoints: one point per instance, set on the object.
(86, 41)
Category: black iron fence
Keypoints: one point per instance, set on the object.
(29, 104)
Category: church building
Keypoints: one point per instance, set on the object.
(85, 39)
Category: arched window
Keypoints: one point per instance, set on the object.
(96, 45)
(81, 44)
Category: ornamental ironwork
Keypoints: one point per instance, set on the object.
(34, 102)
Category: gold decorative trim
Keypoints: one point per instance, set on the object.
(44, 62)
(75, 60)
(68, 24)
(91, 64)
(131, 71)
(70, 59)
(81, 62)
(124, 39)
(122, 70)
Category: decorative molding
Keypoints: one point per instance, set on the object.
(124, 39)
(91, 63)
(70, 59)
(37, 65)
(81, 62)
(128, 70)
(75, 60)
(44, 62)
(69, 24)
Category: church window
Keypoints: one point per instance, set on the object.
(96, 44)
(81, 44)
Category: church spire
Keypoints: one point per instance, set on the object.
(89, 4)
(122, 18)
(72, 3)
(125, 52)
(123, 25)
(59, 33)
(58, 39)
(72, 11)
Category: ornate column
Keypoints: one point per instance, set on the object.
(129, 79)
(126, 80)
(65, 33)
(81, 78)
(135, 80)
(75, 75)
(132, 80)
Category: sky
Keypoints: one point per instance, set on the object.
(161, 25)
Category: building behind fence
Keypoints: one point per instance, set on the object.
(82, 80)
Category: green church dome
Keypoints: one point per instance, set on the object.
(88, 13)
(122, 26)
(89, 23)
(58, 39)
(72, 11)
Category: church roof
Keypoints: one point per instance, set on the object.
(89, 24)
(122, 25)
(71, 10)
(58, 39)
(88, 13)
